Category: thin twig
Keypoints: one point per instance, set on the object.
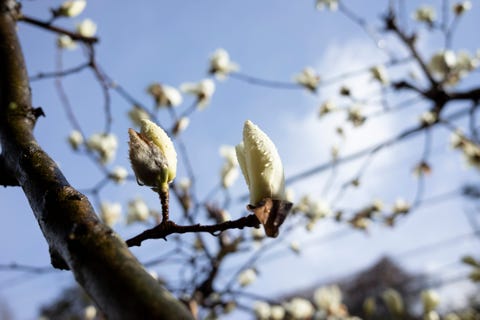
(164, 229)
(50, 27)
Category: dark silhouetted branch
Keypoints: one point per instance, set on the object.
(50, 27)
(164, 229)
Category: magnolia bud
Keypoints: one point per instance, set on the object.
(430, 300)
(152, 155)
(263, 171)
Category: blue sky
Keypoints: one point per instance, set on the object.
(170, 42)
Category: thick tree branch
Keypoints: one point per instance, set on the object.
(99, 259)
(6, 176)
(168, 227)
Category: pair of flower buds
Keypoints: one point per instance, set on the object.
(154, 161)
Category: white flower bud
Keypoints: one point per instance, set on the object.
(65, 42)
(295, 246)
(137, 114)
(369, 306)
(442, 62)
(152, 155)
(119, 174)
(90, 312)
(110, 213)
(181, 125)
(75, 139)
(355, 115)
(246, 277)
(380, 74)
(229, 172)
(299, 308)
(71, 8)
(400, 206)
(425, 14)
(262, 310)
(261, 165)
(462, 7)
(277, 313)
(203, 90)
(165, 96)
(393, 301)
(308, 78)
(428, 118)
(332, 5)
(431, 315)
(430, 300)
(87, 28)
(327, 107)
(137, 211)
(220, 64)
(328, 298)
(104, 144)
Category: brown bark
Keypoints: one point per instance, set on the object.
(99, 259)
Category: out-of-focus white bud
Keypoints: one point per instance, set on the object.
(400, 206)
(355, 115)
(332, 5)
(181, 125)
(262, 310)
(431, 315)
(462, 7)
(442, 62)
(110, 213)
(394, 302)
(104, 144)
(369, 306)
(221, 65)
(65, 42)
(71, 8)
(89, 313)
(165, 96)
(328, 298)
(299, 308)
(137, 114)
(425, 14)
(295, 246)
(327, 107)
(137, 211)
(428, 118)
(75, 139)
(430, 300)
(229, 172)
(87, 28)
(277, 313)
(246, 277)
(380, 74)
(119, 174)
(308, 78)
(203, 90)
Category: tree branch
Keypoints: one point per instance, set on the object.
(50, 27)
(164, 229)
(98, 258)
(409, 41)
(6, 176)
